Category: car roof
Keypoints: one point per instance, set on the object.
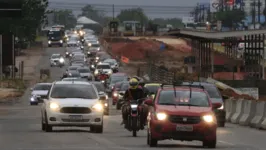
(73, 66)
(71, 82)
(56, 54)
(109, 60)
(181, 89)
(103, 64)
(198, 83)
(43, 84)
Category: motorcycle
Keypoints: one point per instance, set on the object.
(134, 122)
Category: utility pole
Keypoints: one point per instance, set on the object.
(199, 13)
(113, 11)
(254, 14)
(203, 13)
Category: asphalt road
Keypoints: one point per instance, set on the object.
(20, 129)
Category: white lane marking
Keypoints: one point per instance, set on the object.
(227, 143)
(63, 148)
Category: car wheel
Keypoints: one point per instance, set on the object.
(48, 128)
(43, 124)
(209, 144)
(118, 107)
(221, 124)
(49, 45)
(152, 142)
(97, 129)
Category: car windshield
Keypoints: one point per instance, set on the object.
(73, 68)
(100, 87)
(40, 87)
(55, 56)
(84, 70)
(74, 79)
(152, 88)
(199, 99)
(103, 67)
(110, 62)
(116, 79)
(54, 33)
(212, 91)
(73, 91)
(124, 87)
(74, 74)
(73, 39)
(95, 45)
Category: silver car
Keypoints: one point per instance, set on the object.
(85, 73)
(57, 60)
(38, 92)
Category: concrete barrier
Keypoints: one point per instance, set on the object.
(249, 109)
(259, 115)
(230, 108)
(263, 123)
(239, 111)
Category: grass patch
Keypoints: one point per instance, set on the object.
(40, 38)
(18, 84)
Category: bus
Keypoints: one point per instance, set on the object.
(55, 37)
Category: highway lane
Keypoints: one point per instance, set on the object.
(20, 129)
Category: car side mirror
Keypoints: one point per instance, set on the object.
(148, 102)
(216, 105)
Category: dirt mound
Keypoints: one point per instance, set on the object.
(142, 48)
(232, 93)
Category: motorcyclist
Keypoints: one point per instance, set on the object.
(133, 93)
(102, 75)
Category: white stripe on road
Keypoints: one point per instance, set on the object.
(226, 143)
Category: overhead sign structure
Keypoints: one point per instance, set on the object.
(10, 8)
(214, 5)
(188, 20)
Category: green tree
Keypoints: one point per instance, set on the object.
(231, 18)
(65, 17)
(33, 17)
(134, 14)
(93, 14)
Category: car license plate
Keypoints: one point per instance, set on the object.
(184, 128)
(75, 117)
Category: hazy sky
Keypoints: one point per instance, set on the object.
(151, 12)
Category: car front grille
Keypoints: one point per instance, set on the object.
(75, 110)
(184, 119)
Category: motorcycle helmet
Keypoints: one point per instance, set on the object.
(133, 83)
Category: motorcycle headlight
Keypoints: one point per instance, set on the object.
(208, 118)
(105, 104)
(161, 116)
(98, 107)
(134, 106)
(96, 72)
(89, 52)
(61, 41)
(92, 66)
(49, 42)
(89, 44)
(67, 53)
(97, 58)
(54, 106)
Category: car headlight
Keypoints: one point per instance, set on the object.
(61, 41)
(32, 98)
(97, 58)
(105, 104)
(89, 52)
(161, 116)
(96, 72)
(102, 81)
(208, 118)
(98, 107)
(106, 96)
(67, 53)
(115, 94)
(134, 106)
(89, 44)
(110, 72)
(61, 60)
(49, 42)
(92, 66)
(98, 49)
(221, 108)
(54, 106)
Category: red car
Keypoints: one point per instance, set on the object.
(182, 113)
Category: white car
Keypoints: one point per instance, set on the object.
(38, 92)
(113, 63)
(105, 67)
(57, 60)
(72, 103)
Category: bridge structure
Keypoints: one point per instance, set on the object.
(202, 43)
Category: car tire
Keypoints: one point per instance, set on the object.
(49, 45)
(32, 103)
(118, 107)
(209, 144)
(43, 124)
(221, 124)
(48, 128)
(152, 142)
